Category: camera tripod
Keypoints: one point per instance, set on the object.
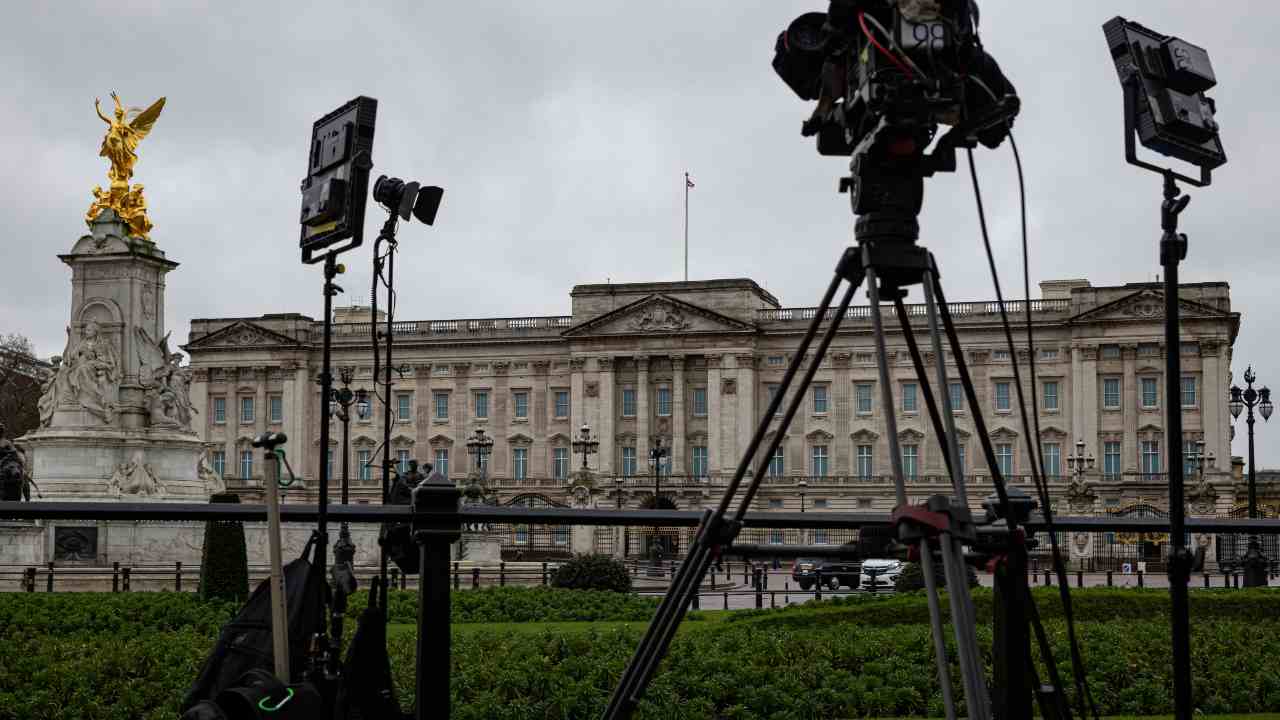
(887, 193)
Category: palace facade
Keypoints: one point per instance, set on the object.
(695, 364)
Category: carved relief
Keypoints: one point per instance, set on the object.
(213, 483)
(1080, 496)
(461, 369)
(541, 367)
(841, 359)
(577, 364)
(148, 303)
(660, 316)
(165, 382)
(728, 386)
(591, 389)
(1202, 498)
(75, 544)
(89, 375)
(501, 367)
(135, 477)
(605, 364)
(1089, 352)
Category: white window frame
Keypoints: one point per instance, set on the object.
(1004, 459)
(220, 462)
(858, 389)
(1108, 455)
(956, 392)
(246, 464)
(699, 401)
(819, 460)
(821, 392)
(364, 471)
(480, 404)
(404, 406)
(1008, 395)
(1155, 392)
(436, 405)
(1045, 395)
(441, 464)
(560, 463)
(1195, 391)
(778, 463)
(1051, 452)
(700, 461)
(1149, 450)
(516, 398)
(910, 461)
(864, 460)
(275, 408)
(220, 410)
(1119, 393)
(555, 403)
(913, 395)
(520, 463)
(662, 401)
(402, 460)
(629, 462)
(631, 411)
(247, 402)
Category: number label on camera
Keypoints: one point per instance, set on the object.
(925, 36)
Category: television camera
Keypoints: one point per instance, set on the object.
(885, 75)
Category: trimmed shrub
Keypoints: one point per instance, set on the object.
(912, 577)
(224, 562)
(592, 572)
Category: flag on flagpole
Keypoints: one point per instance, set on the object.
(688, 183)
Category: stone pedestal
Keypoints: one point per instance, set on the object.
(116, 413)
(478, 547)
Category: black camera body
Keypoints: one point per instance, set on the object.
(337, 181)
(1173, 116)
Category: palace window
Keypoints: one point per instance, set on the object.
(277, 409)
(220, 462)
(956, 391)
(402, 461)
(1052, 453)
(521, 402)
(628, 402)
(246, 464)
(865, 466)
(820, 399)
(442, 461)
(328, 461)
(771, 391)
(1004, 459)
(700, 464)
(628, 462)
(1000, 355)
(1151, 456)
(777, 463)
(1110, 352)
(219, 410)
(1189, 465)
(910, 461)
(1111, 393)
(664, 400)
(441, 402)
(821, 504)
(862, 393)
(560, 463)
(520, 463)
(1150, 392)
(482, 404)
(562, 404)
(1111, 457)
(699, 402)
(1049, 354)
(1188, 392)
(246, 409)
(960, 447)
(775, 503)
(1050, 395)
(364, 471)
(819, 454)
(1002, 396)
(909, 397)
(776, 360)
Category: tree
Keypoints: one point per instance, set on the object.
(20, 377)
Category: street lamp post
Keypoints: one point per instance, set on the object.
(585, 445)
(1078, 464)
(340, 407)
(656, 453)
(344, 549)
(480, 445)
(1255, 563)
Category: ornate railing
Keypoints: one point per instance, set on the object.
(480, 327)
(863, 312)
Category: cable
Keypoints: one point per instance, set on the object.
(1082, 691)
(893, 43)
(862, 21)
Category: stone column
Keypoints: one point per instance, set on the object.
(577, 397)
(202, 423)
(840, 401)
(539, 455)
(605, 431)
(231, 425)
(1087, 399)
(747, 416)
(500, 462)
(1129, 406)
(460, 412)
(643, 414)
(715, 417)
(1214, 414)
(261, 413)
(677, 415)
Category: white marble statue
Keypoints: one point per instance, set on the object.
(135, 477)
(166, 383)
(93, 373)
(213, 482)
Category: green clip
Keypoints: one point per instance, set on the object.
(262, 704)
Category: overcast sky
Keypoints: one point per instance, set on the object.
(561, 131)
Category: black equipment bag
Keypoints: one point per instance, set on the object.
(258, 695)
(245, 643)
(366, 691)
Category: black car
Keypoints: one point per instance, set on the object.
(833, 573)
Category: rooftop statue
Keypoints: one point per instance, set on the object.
(120, 147)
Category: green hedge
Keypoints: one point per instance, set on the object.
(521, 604)
(112, 657)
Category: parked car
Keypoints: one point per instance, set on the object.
(880, 574)
(833, 573)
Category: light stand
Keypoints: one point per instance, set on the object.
(1254, 562)
(480, 445)
(656, 454)
(1078, 464)
(344, 549)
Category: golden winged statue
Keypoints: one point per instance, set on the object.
(120, 147)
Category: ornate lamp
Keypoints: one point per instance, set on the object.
(362, 404)
(585, 444)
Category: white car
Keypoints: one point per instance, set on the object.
(879, 574)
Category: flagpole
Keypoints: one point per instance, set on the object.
(686, 227)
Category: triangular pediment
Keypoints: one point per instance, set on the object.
(1145, 306)
(241, 334)
(659, 315)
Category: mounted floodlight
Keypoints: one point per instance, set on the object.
(405, 199)
(333, 192)
(1164, 81)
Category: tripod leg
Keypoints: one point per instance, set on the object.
(926, 388)
(895, 459)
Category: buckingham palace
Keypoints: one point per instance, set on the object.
(693, 365)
